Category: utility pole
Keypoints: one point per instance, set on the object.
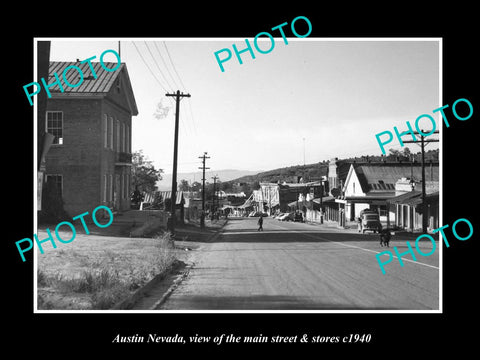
(202, 217)
(304, 180)
(213, 196)
(424, 202)
(321, 201)
(178, 95)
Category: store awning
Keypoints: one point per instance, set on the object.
(414, 198)
(369, 198)
(324, 199)
(405, 198)
(299, 203)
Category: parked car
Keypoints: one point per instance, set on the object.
(285, 217)
(277, 215)
(298, 217)
(369, 220)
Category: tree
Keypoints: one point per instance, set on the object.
(161, 112)
(394, 152)
(144, 174)
(226, 186)
(183, 185)
(196, 186)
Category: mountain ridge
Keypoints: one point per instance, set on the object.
(224, 175)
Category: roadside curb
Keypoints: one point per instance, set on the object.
(176, 282)
(132, 300)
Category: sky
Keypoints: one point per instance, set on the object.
(310, 100)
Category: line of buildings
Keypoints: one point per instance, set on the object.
(393, 189)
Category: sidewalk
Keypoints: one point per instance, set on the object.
(148, 223)
(132, 223)
(191, 231)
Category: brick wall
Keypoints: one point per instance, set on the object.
(78, 158)
(84, 161)
(112, 157)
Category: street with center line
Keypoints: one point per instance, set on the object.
(298, 266)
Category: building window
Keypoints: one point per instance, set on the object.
(105, 130)
(118, 136)
(124, 148)
(128, 140)
(54, 126)
(110, 138)
(56, 181)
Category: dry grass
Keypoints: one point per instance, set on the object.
(97, 272)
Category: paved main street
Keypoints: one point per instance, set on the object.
(295, 266)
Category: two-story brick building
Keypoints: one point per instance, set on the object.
(90, 159)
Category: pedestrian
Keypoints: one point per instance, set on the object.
(260, 223)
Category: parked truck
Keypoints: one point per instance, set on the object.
(369, 220)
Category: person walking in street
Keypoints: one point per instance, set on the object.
(359, 223)
(260, 223)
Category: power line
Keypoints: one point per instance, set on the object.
(148, 67)
(165, 64)
(151, 72)
(191, 113)
(158, 67)
(173, 65)
(182, 121)
(192, 127)
(179, 78)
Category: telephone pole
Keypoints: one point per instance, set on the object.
(213, 196)
(202, 217)
(178, 95)
(424, 202)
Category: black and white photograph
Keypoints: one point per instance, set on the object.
(281, 190)
(294, 179)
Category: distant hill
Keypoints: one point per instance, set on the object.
(223, 175)
(310, 172)
(241, 180)
(314, 172)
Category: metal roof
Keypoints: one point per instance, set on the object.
(383, 178)
(149, 197)
(101, 84)
(168, 195)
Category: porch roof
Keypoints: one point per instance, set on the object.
(402, 199)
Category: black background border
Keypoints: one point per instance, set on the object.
(396, 332)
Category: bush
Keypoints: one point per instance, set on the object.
(109, 279)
